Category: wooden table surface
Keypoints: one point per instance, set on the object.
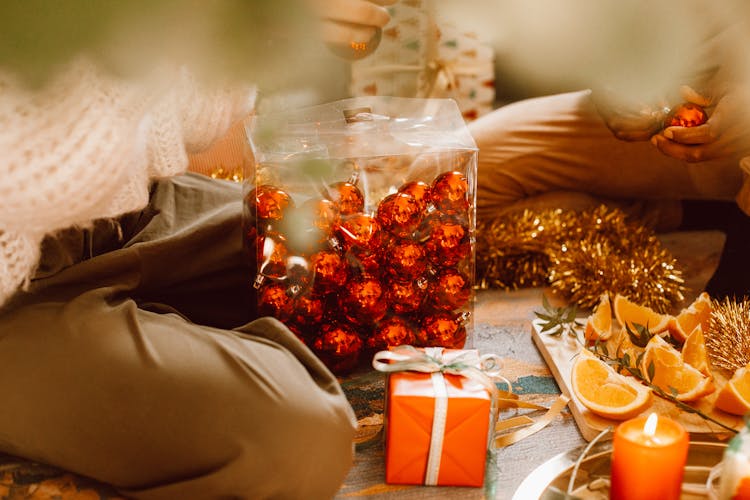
(502, 325)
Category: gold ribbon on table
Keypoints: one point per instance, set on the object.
(485, 370)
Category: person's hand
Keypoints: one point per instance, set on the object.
(725, 133)
(348, 26)
(629, 120)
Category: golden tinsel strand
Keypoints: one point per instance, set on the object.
(728, 338)
(234, 174)
(511, 250)
(581, 254)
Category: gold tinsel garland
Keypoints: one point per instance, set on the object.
(728, 338)
(580, 255)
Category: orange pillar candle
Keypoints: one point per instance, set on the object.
(648, 459)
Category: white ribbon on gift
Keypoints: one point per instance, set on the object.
(440, 74)
(482, 369)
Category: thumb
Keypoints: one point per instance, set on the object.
(691, 95)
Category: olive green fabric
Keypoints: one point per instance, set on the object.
(118, 363)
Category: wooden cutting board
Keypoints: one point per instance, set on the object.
(560, 352)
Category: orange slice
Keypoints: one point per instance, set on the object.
(734, 397)
(672, 374)
(697, 313)
(605, 392)
(694, 351)
(599, 324)
(628, 313)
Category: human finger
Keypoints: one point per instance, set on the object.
(690, 153)
(701, 134)
(353, 12)
(346, 34)
(691, 95)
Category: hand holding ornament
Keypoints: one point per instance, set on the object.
(723, 134)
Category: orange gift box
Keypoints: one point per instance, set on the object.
(410, 416)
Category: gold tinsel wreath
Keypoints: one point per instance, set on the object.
(728, 337)
(581, 255)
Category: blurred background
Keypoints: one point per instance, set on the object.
(537, 46)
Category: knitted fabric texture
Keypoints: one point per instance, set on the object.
(87, 145)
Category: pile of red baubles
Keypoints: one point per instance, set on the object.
(348, 282)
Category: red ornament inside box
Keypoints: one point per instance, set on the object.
(381, 256)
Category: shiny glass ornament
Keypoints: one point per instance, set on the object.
(420, 191)
(442, 330)
(405, 260)
(450, 193)
(363, 300)
(448, 243)
(400, 214)
(347, 198)
(328, 270)
(268, 203)
(359, 233)
(449, 289)
(339, 347)
(273, 300)
(391, 332)
(686, 114)
(404, 297)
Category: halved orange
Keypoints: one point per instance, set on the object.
(628, 312)
(599, 324)
(672, 374)
(605, 392)
(734, 397)
(697, 313)
(694, 351)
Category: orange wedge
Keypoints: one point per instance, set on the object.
(628, 313)
(734, 397)
(697, 313)
(694, 351)
(672, 374)
(605, 392)
(599, 324)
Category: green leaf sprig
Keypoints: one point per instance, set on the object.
(559, 321)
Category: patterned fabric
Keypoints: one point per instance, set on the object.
(422, 55)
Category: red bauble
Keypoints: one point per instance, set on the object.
(399, 213)
(363, 300)
(359, 233)
(321, 212)
(338, 346)
(347, 198)
(450, 193)
(405, 260)
(271, 254)
(449, 290)
(448, 243)
(686, 114)
(442, 330)
(420, 191)
(405, 297)
(273, 300)
(364, 263)
(268, 203)
(329, 271)
(390, 333)
(308, 310)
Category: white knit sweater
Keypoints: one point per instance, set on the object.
(86, 145)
